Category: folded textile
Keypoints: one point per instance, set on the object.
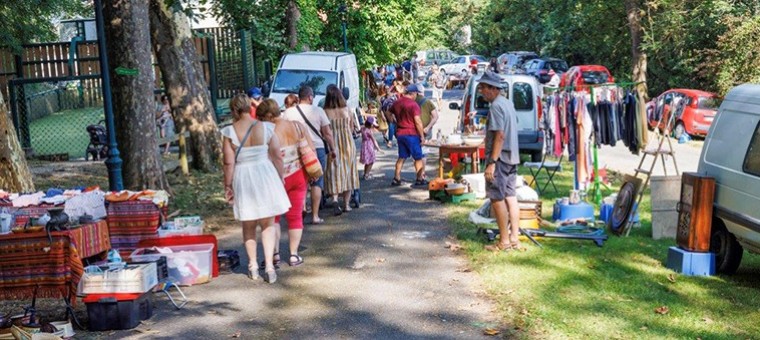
(28, 199)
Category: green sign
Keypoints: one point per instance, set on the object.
(123, 71)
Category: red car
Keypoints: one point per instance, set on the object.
(581, 75)
(699, 109)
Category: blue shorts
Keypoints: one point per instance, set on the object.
(322, 157)
(410, 146)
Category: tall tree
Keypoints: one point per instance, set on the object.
(638, 57)
(14, 171)
(292, 17)
(127, 27)
(183, 78)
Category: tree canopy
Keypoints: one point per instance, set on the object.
(29, 21)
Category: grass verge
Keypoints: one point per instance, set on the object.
(574, 289)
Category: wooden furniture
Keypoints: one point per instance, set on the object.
(695, 212)
(444, 150)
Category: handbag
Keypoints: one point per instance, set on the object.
(308, 157)
(327, 147)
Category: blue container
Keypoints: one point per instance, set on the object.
(605, 213)
(691, 263)
(566, 212)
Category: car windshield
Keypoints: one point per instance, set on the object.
(290, 81)
(595, 77)
(710, 103)
(558, 65)
(524, 58)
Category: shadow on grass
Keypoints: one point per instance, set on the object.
(572, 288)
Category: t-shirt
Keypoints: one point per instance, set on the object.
(502, 117)
(426, 110)
(316, 116)
(405, 110)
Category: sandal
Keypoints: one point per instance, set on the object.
(337, 211)
(271, 276)
(297, 262)
(517, 246)
(253, 274)
(420, 181)
(396, 182)
(499, 247)
(347, 208)
(317, 221)
(275, 260)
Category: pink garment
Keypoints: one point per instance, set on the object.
(368, 147)
(557, 129)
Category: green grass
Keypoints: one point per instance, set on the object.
(64, 131)
(574, 289)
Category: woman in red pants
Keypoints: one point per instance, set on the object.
(296, 181)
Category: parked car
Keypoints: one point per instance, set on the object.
(731, 155)
(525, 93)
(512, 62)
(540, 68)
(462, 64)
(699, 108)
(427, 58)
(581, 75)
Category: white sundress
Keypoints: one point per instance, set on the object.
(259, 191)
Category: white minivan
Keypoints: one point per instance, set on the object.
(731, 155)
(525, 92)
(318, 70)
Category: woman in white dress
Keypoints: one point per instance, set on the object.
(253, 181)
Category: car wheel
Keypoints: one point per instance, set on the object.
(728, 251)
(535, 156)
(679, 130)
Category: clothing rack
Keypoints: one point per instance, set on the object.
(597, 184)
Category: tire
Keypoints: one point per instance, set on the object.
(728, 251)
(679, 130)
(535, 156)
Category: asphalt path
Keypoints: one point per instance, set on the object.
(381, 271)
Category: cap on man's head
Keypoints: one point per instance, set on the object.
(255, 93)
(413, 88)
(492, 79)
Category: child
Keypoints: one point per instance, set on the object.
(369, 146)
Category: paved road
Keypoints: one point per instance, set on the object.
(377, 272)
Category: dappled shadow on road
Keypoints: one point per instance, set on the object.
(380, 271)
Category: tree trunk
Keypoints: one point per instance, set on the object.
(185, 84)
(127, 29)
(638, 57)
(292, 16)
(14, 171)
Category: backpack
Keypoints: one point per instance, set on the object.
(388, 102)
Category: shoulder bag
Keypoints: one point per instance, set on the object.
(308, 157)
(245, 138)
(327, 147)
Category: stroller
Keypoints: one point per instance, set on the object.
(98, 147)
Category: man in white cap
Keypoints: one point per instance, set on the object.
(502, 158)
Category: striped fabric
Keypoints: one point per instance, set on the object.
(342, 172)
(131, 221)
(30, 260)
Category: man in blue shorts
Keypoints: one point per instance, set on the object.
(409, 134)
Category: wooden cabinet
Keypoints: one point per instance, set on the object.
(695, 210)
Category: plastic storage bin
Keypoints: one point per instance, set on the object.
(137, 278)
(188, 264)
(117, 311)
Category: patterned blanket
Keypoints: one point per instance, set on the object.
(30, 260)
(132, 221)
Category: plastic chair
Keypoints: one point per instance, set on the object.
(550, 167)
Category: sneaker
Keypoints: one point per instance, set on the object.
(396, 182)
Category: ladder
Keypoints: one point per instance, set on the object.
(658, 153)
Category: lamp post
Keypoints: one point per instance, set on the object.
(113, 163)
(342, 11)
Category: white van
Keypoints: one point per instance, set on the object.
(525, 92)
(731, 155)
(318, 70)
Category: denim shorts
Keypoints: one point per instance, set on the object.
(410, 146)
(391, 131)
(322, 156)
